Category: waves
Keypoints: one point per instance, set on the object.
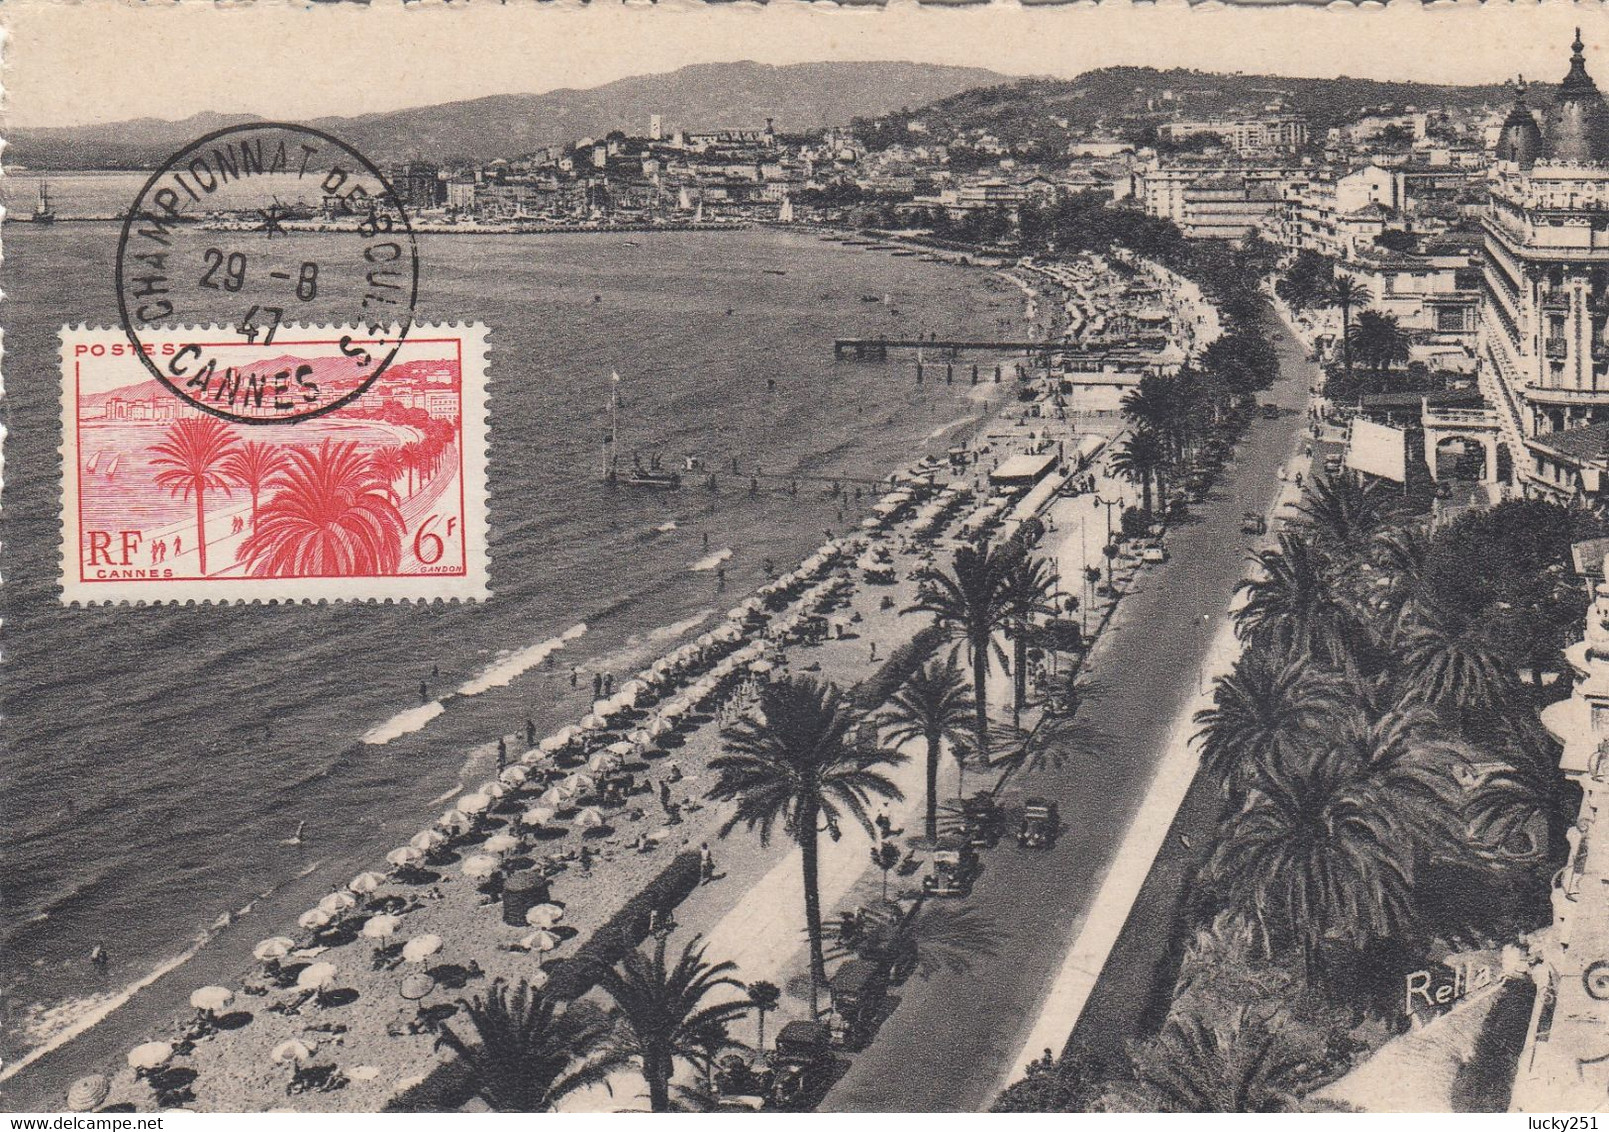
(711, 561)
(403, 723)
(503, 671)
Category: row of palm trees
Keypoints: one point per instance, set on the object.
(333, 509)
(1366, 733)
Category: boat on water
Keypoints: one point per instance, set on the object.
(775, 271)
(650, 475)
(871, 298)
(43, 212)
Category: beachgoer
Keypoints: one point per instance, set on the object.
(575, 675)
(98, 957)
(874, 650)
(597, 685)
(706, 864)
(586, 858)
(178, 546)
(608, 683)
(530, 733)
(502, 754)
(706, 540)
(720, 576)
(424, 692)
(664, 795)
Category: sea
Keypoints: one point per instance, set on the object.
(159, 759)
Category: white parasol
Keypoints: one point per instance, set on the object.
(473, 803)
(365, 883)
(590, 818)
(275, 947)
(406, 855)
(316, 976)
(337, 902)
(88, 1093)
(538, 815)
(313, 918)
(211, 999)
(480, 866)
(544, 915)
(149, 1055)
(427, 839)
(604, 762)
(514, 776)
(501, 843)
(579, 783)
(540, 940)
(379, 927)
(421, 947)
(291, 1051)
(554, 796)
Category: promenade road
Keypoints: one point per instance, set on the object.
(953, 1036)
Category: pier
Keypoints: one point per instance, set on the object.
(876, 349)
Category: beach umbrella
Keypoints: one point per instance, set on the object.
(544, 915)
(553, 742)
(291, 1051)
(314, 918)
(275, 947)
(212, 999)
(634, 687)
(421, 947)
(579, 782)
(337, 902)
(537, 815)
(594, 722)
(555, 796)
(365, 883)
(88, 1093)
(492, 790)
(540, 940)
(621, 748)
(316, 976)
(426, 840)
(417, 985)
(407, 855)
(638, 738)
(379, 927)
(480, 866)
(501, 843)
(657, 727)
(604, 762)
(473, 803)
(514, 776)
(762, 666)
(453, 820)
(149, 1055)
(590, 818)
(537, 978)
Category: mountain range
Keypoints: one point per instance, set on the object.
(799, 97)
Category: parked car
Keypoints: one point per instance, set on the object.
(1155, 553)
(951, 869)
(1271, 412)
(859, 989)
(1041, 822)
(1251, 523)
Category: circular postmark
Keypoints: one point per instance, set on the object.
(243, 243)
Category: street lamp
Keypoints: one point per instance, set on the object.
(1108, 504)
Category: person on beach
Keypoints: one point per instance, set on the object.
(706, 864)
(98, 958)
(586, 858)
(664, 795)
(178, 546)
(530, 732)
(424, 692)
(874, 650)
(720, 577)
(608, 683)
(597, 685)
(575, 675)
(706, 540)
(502, 754)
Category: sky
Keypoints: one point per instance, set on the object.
(109, 60)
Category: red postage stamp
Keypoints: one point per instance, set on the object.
(242, 489)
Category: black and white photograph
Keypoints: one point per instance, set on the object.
(803, 558)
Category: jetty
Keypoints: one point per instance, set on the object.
(876, 349)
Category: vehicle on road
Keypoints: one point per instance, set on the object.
(859, 989)
(1251, 523)
(1154, 553)
(794, 1076)
(1271, 412)
(1332, 464)
(951, 869)
(982, 820)
(1041, 822)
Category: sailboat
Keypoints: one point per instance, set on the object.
(650, 475)
(785, 213)
(43, 213)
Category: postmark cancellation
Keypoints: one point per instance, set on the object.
(238, 490)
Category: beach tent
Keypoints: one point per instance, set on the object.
(379, 927)
(500, 843)
(544, 915)
(316, 976)
(88, 1093)
(480, 866)
(149, 1055)
(421, 947)
(313, 918)
(365, 883)
(292, 1051)
(211, 999)
(537, 815)
(406, 855)
(275, 947)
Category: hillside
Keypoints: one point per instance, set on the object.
(802, 96)
(1124, 100)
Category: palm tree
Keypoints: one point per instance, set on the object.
(253, 464)
(388, 462)
(333, 514)
(764, 997)
(1318, 854)
(1140, 458)
(1403, 554)
(933, 705)
(660, 1012)
(1340, 514)
(192, 457)
(1347, 292)
(1291, 608)
(529, 1052)
(796, 766)
(969, 605)
(1241, 1064)
(1266, 713)
(1378, 340)
(1152, 404)
(1027, 593)
(412, 456)
(1449, 665)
